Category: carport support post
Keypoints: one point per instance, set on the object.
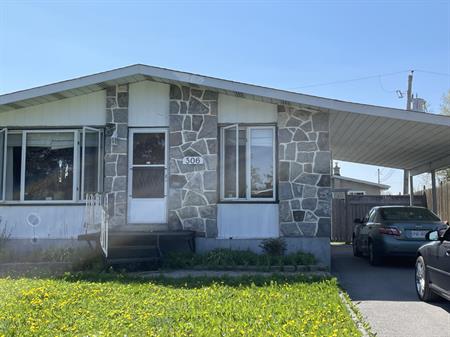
(411, 189)
(433, 190)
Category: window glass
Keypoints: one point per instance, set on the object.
(148, 148)
(13, 166)
(249, 164)
(148, 182)
(49, 166)
(261, 163)
(242, 165)
(372, 215)
(407, 213)
(229, 161)
(91, 162)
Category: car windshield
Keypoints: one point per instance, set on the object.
(407, 213)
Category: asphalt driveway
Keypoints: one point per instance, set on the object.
(386, 297)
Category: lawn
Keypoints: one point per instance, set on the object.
(120, 306)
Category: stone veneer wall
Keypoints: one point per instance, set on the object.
(193, 132)
(304, 172)
(116, 157)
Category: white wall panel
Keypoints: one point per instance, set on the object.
(149, 104)
(240, 110)
(56, 222)
(247, 221)
(88, 109)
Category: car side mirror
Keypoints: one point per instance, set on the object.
(358, 220)
(432, 236)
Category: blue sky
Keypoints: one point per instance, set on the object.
(295, 45)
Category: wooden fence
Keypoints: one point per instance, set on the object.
(443, 200)
(344, 211)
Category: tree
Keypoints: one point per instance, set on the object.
(445, 106)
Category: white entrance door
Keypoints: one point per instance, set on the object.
(147, 179)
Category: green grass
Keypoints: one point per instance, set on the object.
(113, 305)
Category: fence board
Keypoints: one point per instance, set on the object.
(443, 200)
(344, 211)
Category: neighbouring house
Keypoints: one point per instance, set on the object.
(164, 151)
(352, 186)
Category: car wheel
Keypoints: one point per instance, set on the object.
(374, 258)
(356, 251)
(422, 283)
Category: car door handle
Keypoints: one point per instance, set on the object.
(447, 253)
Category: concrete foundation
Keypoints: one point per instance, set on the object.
(319, 247)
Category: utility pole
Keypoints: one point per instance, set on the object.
(379, 180)
(406, 181)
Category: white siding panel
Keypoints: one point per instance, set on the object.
(247, 221)
(56, 222)
(89, 109)
(240, 110)
(149, 104)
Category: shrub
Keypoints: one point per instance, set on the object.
(274, 247)
(229, 258)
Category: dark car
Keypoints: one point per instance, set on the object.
(393, 231)
(433, 266)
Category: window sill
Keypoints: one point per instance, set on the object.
(248, 202)
(42, 203)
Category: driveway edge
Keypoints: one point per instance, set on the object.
(362, 325)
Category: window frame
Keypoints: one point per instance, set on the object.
(77, 164)
(82, 159)
(248, 187)
(131, 165)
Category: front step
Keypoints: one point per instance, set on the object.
(131, 248)
(132, 252)
(132, 239)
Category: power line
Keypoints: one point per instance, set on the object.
(383, 88)
(350, 80)
(379, 76)
(433, 72)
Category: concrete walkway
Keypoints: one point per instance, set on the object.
(386, 297)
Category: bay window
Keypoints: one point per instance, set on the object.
(49, 165)
(247, 163)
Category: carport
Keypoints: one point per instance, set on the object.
(408, 140)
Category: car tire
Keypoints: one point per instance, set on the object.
(356, 251)
(375, 259)
(422, 282)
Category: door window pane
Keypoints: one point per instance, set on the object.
(148, 148)
(91, 162)
(49, 166)
(229, 160)
(13, 166)
(148, 182)
(261, 163)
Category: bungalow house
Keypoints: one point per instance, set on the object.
(346, 185)
(170, 151)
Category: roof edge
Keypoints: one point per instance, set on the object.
(382, 186)
(332, 105)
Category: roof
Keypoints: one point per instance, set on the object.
(359, 133)
(365, 182)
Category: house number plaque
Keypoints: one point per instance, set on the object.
(192, 160)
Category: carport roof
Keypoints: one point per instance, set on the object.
(359, 133)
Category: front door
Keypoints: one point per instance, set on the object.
(147, 179)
